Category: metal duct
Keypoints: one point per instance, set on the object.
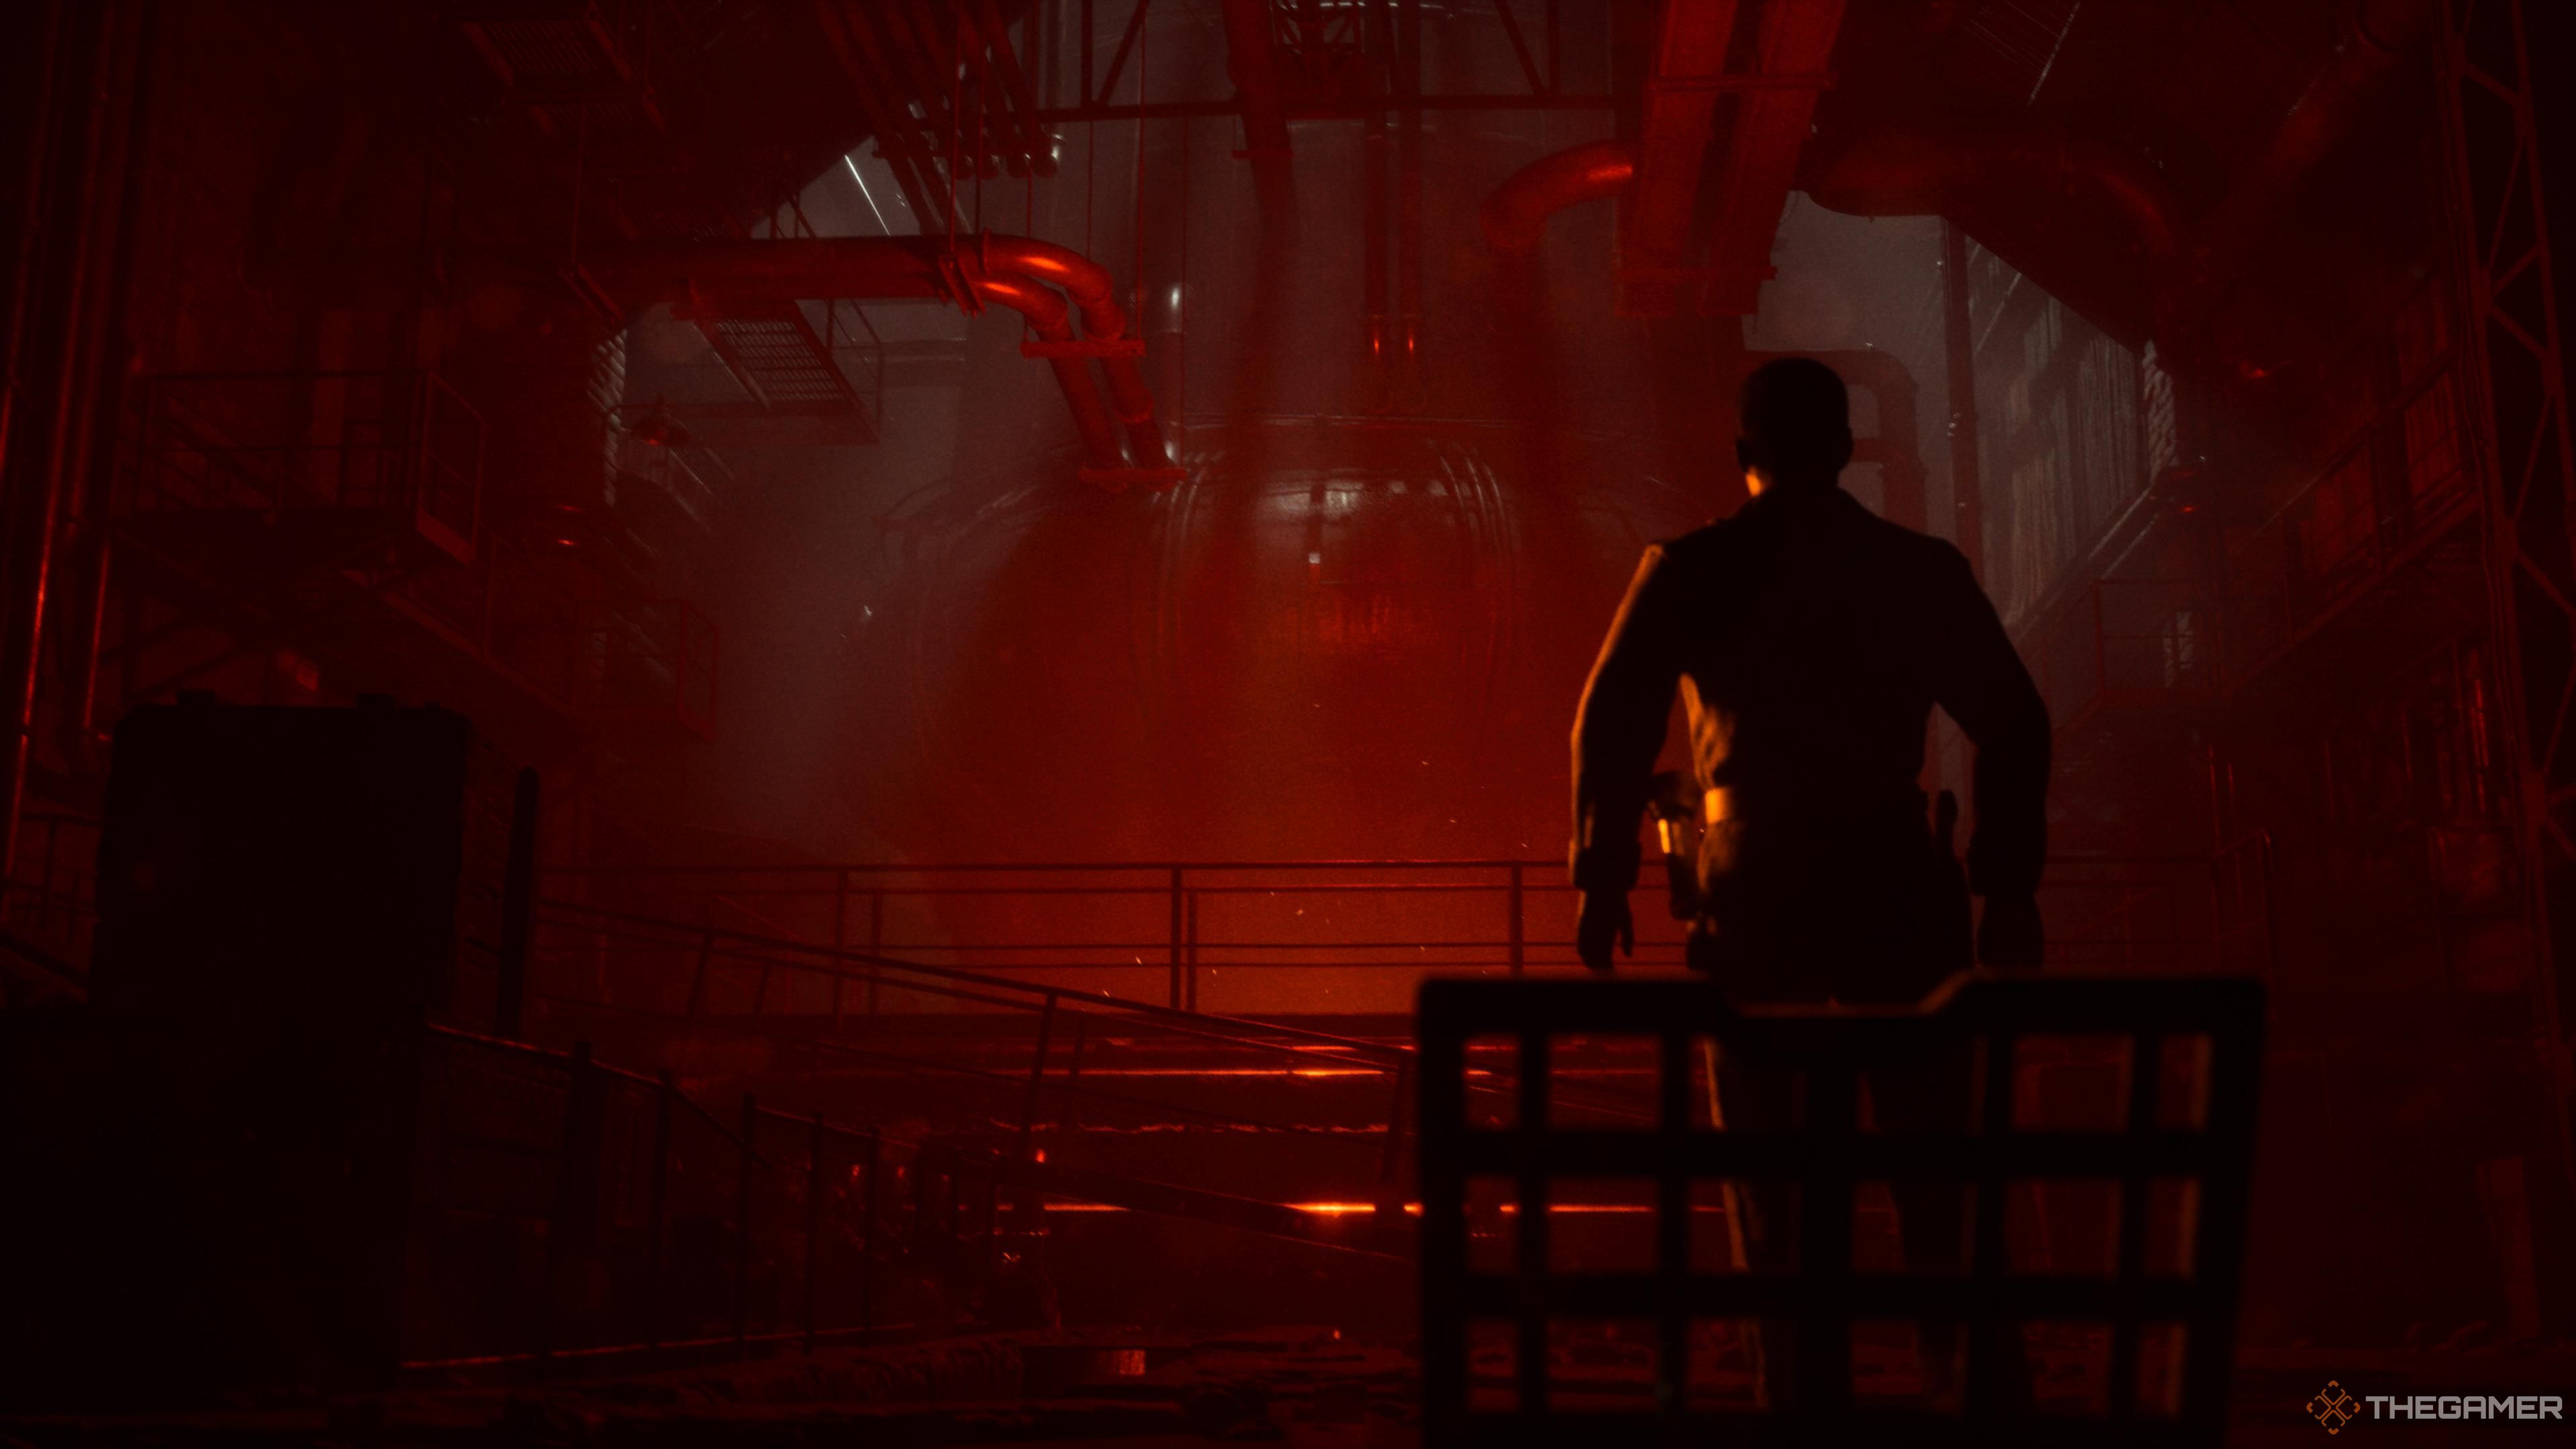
(1014, 271)
(1515, 216)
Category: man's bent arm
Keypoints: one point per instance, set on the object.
(1982, 684)
(1619, 730)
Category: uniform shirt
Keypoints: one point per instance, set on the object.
(1810, 639)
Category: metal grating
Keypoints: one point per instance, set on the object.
(1825, 1297)
(781, 360)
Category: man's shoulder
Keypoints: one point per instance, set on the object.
(1926, 552)
(1707, 544)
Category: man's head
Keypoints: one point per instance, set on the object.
(1795, 418)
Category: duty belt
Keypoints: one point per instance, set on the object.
(1728, 802)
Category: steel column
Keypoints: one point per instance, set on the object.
(2513, 364)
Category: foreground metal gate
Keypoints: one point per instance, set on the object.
(2177, 1135)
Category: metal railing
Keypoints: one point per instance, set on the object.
(571, 1209)
(399, 442)
(1336, 937)
(2125, 644)
(599, 649)
(2389, 489)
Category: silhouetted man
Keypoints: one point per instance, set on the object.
(1811, 639)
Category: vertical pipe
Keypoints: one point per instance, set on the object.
(1967, 497)
(742, 1231)
(1373, 199)
(657, 1209)
(1408, 205)
(1253, 66)
(115, 352)
(26, 255)
(34, 464)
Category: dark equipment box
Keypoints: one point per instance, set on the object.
(212, 1161)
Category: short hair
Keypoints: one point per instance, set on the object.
(1794, 411)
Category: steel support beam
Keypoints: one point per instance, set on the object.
(2513, 360)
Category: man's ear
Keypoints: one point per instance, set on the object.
(1842, 450)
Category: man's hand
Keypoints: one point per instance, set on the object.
(2008, 935)
(1604, 921)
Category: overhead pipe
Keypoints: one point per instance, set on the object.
(2376, 43)
(1676, 117)
(2190, 259)
(1929, 172)
(1516, 214)
(1793, 42)
(1013, 271)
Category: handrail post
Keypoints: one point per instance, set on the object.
(1518, 930)
(760, 991)
(518, 908)
(698, 981)
(560, 1230)
(870, 1157)
(876, 942)
(742, 1232)
(840, 936)
(813, 1226)
(1072, 1074)
(1390, 1167)
(1176, 938)
(1037, 1076)
(1190, 968)
(657, 1213)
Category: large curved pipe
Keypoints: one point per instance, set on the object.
(2376, 43)
(2191, 260)
(1049, 317)
(1920, 173)
(1088, 284)
(1515, 216)
(1009, 270)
